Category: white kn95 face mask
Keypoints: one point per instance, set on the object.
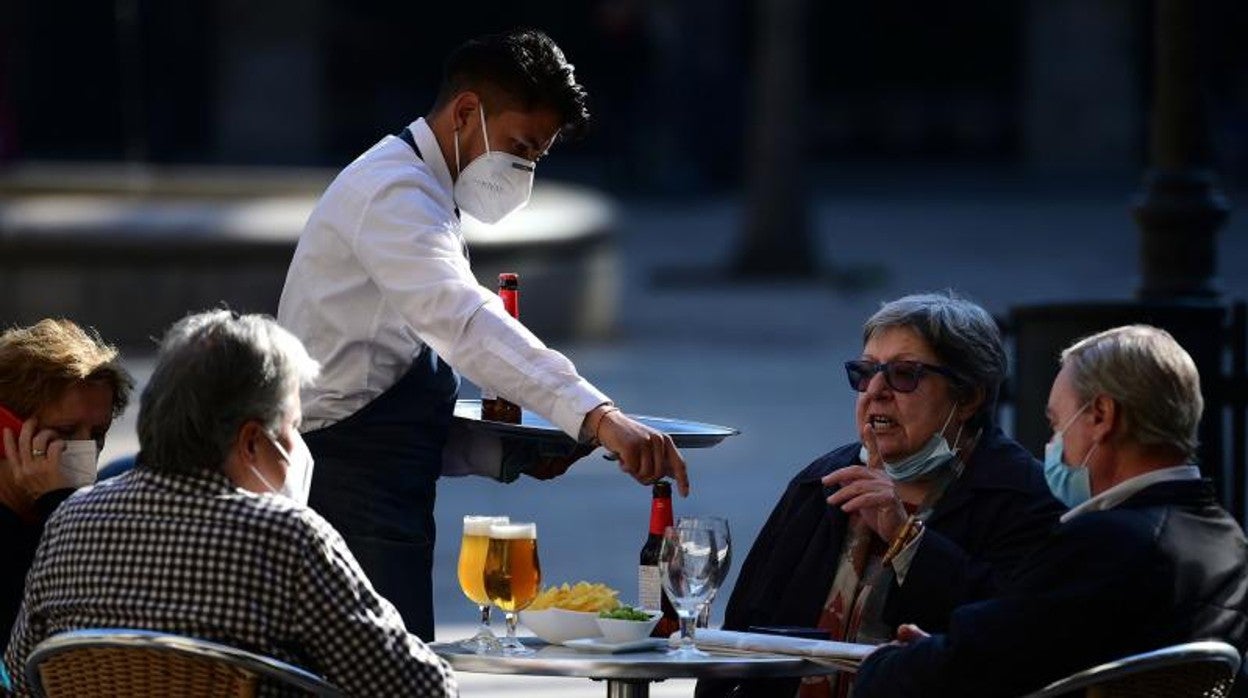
(494, 184)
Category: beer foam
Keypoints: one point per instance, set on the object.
(480, 525)
(514, 531)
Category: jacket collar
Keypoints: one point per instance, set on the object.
(196, 482)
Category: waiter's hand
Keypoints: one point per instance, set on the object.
(548, 467)
(644, 453)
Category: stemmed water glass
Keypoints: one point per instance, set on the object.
(472, 552)
(688, 568)
(723, 536)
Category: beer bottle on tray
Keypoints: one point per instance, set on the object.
(650, 592)
(493, 407)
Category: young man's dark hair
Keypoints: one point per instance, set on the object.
(523, 69)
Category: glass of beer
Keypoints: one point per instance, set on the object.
(513, 575)
(472, 550)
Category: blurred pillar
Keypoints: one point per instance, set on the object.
(269, 82)
(1081, 84)
(778, 234)
(1182, 206)
(130, 68)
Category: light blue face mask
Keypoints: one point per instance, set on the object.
(1069, 483)
(934, 455)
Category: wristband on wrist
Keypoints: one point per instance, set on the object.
(598, 426)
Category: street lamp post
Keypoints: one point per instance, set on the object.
(1178, 212)
(1181, 206)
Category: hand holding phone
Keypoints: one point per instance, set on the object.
(35, 472)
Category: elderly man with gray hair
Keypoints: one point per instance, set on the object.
(1149, 560)
(210, 535)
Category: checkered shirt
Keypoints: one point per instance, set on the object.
(197, 556)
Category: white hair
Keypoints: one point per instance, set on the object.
(215, 371)
(1152, 378)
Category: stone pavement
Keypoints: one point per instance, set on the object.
(766, 358)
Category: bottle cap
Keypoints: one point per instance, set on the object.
(509, 280)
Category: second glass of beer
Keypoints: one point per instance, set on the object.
(472, 552)
(513, 575)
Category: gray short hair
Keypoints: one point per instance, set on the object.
(964, 337)
(1152, 378)
(215, 371)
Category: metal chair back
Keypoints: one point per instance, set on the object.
(109, 662)
(1203, 669)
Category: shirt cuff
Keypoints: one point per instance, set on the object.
(901, 563)
(577, 400)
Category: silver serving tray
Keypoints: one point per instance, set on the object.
(685, 434)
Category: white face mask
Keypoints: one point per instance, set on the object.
(299, 464)
(493, 185)
(79, 462)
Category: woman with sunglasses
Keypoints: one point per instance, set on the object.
(930, 507)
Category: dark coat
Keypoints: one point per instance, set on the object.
(1164, 567)
(987, 522)
(20, 540)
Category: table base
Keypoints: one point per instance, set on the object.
(624, 688)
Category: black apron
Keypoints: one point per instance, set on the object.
(376, 481)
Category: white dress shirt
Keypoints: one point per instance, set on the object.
(381, 271)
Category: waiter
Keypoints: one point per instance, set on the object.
(381, 293)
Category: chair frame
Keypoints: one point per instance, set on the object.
(1205, 651)
(113, 638)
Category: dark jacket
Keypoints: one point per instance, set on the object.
(1164, 567)
(987, 522)
(20, 540)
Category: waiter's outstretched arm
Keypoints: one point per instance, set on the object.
(422, 272)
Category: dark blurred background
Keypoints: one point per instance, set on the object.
(1045, 84)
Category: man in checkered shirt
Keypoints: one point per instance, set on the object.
(210, 536)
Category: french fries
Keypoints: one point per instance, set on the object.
(582, 596)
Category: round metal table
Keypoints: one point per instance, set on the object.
(628, 675)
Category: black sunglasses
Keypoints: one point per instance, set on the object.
(902, 376)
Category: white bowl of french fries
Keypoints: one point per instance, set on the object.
(569, 612)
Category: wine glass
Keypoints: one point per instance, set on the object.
(472, 552)
(513, 575)
(688, 568)
(723, 536)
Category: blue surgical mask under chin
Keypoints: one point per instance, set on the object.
(1070, 484)
(934, 455)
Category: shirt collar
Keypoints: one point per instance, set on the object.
(1119, 493)
(431, 152)
(194, 482)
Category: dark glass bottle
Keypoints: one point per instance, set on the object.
(493, 407)
(650, 592)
